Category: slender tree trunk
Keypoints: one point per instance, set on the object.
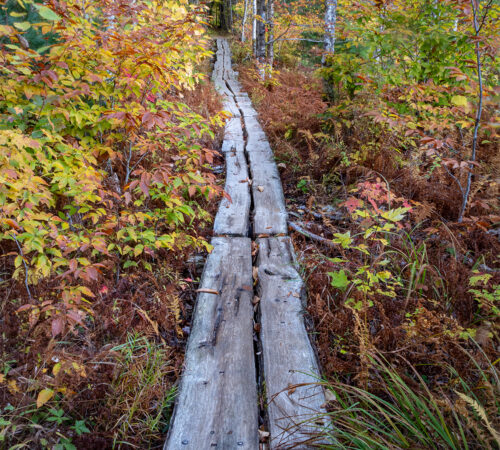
(230, 14)
(254, 26)
(243, 24)
(330, 20)
(261, 31)
(475, 11)
(270, 23)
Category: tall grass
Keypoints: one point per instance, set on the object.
(141, 391)
(391, 414)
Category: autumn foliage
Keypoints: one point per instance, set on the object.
(104, 173)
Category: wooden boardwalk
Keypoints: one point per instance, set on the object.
(224, 372)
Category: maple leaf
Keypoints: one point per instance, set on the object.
(352, 203)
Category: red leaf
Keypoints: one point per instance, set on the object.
(92, 273)
(57, 326)
(352, 203)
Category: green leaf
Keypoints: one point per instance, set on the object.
(339, 279)
(344, 239)
(80, 427)
(48, 14)
(23, 26)
(130, 264)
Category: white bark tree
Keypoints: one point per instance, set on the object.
(243, 24)
(270, 39)
(254, 26)
(330, 20)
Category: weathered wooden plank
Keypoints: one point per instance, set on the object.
(270, 216)
(256, 137)
(234, 85)
(260, 145)
(233, 216)
(233, 130)
(230, 105)
(217, 402)
(290, 368)
(243, 98)
(233, 146)
(247, 109)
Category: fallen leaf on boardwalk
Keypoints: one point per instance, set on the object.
(260, 188)
(255, 273)
(246, 180)
(208, 291)
(246, 287)
(250, 181)
(255, 300)
(256, 327)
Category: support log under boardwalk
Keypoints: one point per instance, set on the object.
(295, 400)
(217, 403)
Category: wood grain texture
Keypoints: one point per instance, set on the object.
(233, 130)
(269, 215)
(217, 402)
(290, 366)
(233, 216)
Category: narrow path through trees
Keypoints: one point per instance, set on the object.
(248, 339)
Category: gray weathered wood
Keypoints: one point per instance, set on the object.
(217, 402)
(270, 216)
(233, 216)
(231, 146)
(295, 400)
(230, 106)
(233, 130)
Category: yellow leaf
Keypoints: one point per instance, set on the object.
(56, 369)
(2, 377)
(86, 291)
(13, 388)
(43, 397)
(459, 100)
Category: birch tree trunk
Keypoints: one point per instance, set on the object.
(270, 40)
(243, 24)
(254, 26)
(330, 20)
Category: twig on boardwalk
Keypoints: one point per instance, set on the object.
(294, 226)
